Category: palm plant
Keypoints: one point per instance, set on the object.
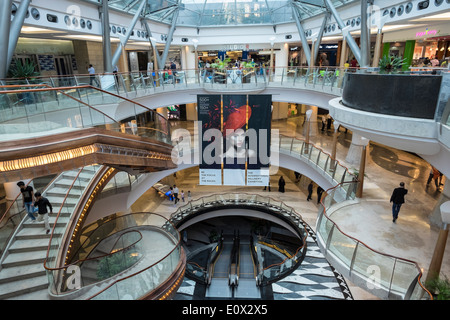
(390, 63)
(23, 70)
(440, 288)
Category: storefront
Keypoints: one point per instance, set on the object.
(419, 45)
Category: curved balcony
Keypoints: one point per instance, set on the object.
(293, 84)
(143, 260)
(266, 208)
(385, 276)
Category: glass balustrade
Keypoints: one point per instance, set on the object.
(394, 277)
(37, 110)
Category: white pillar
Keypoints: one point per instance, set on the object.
(356, 147)
(12, 190)
(281, 60)
(313, 129)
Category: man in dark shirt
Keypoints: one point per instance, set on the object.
(27, 198)
(42, 203)
(397, 199)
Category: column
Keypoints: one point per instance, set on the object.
(435, 217)
(377, 52)
(281, 60)
(5, 24)
(343, 53)
(356, 148)
(438, 255)
(386, 49)
(313, 128)
(408, 54)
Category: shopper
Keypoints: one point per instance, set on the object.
(397, 199)
(175, 193)
(27, 199)
(189, 195)
(182, 195)
(281, 184)
(42, 203)
(92, 77)
(434, 175)
(310, 191)
(319, 194)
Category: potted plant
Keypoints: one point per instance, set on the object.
(390, 64)
(23, 71)
(439, 288)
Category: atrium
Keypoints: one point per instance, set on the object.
(237, 150)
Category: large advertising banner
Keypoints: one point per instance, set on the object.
(235, 115)
(258, 137)
(210, 141)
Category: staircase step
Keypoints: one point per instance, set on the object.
(13, 289)
(21, 258)
(32, 233)
(22, 272)
(22, 246)
(41, 294)
(58, 191)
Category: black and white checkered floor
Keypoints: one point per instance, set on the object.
(314, 279)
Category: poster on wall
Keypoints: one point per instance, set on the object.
(235, 115)
(210, 139)
(258, 137)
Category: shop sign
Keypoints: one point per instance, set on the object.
(427, 32)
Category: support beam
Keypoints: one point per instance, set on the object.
(107, 55)
(5, 24)
(350, 41)
(124, 39)
(365, 36)
(301, 33)
(157, 58)
(320, 35)
(169, 38)
(16, 26)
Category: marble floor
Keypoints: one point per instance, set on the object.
(412, 237)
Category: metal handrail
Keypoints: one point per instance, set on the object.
(324, 213)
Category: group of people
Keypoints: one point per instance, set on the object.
(34, 203)
(173, 193)
(282, 184)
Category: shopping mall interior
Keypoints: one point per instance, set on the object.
(200, 150)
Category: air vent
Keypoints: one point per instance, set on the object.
(423, 5)
(400, 10)
(438, 2)
(409, 7)
(392, 12)
(35, 14)
(52, 18)
(288, 36)
(82, 23)
(184, 39)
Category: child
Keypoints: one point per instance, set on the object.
(182, 195)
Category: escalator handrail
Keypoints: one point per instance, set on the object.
(212, 259)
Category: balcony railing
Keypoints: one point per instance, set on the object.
(38, 109)
(386, 276)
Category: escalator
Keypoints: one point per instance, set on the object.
(234, 273)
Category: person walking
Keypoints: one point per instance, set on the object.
(281, 184)
(319, 194)
(182, 195)
(175, 193)
(397, 199)
(92, 77)
(310, 191)
(42, 203)
(27, 199)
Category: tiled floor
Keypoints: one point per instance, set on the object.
(412, 236)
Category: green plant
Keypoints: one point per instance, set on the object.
(440, 288)
(390, 63)
(111, 265)
(23, 70)
(221, 64)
